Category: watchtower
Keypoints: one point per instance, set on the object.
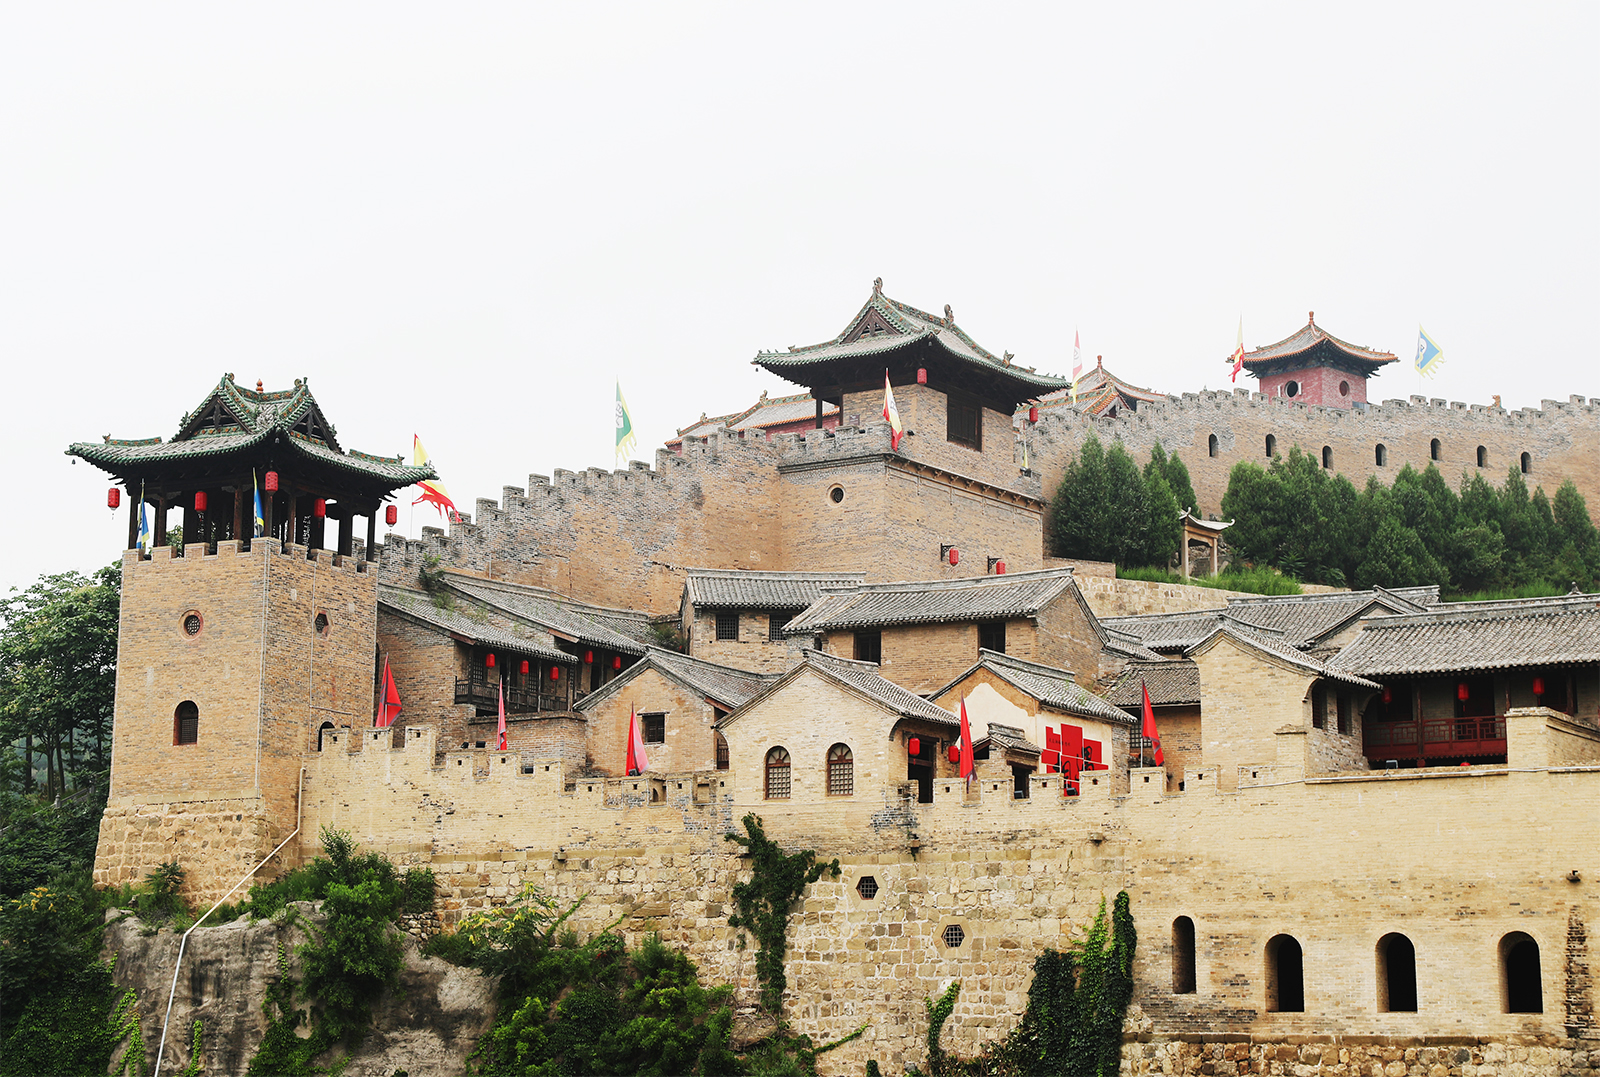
(1312, 366)
(235, 649)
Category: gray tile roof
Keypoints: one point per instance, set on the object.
(592, 625)
(1128, 646)
(1052, 687)
(1282, 650)
(710, 588)
(1304, 618)
(983, 598)
(462, 620)
(1309, 336)
(1458, 637)
(730, 687)
(863, 677)
(1166, 631)
(1172, 682)
(1008, 738)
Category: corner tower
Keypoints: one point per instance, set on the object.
(235, 649)
(1315, 367)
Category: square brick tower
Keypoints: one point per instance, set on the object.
(1315, 367)
(237, 650)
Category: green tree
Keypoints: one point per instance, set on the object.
(1081, 523)
(1577, 537)
(1106, 510)
(1163, 530)
(58, 656)
(1251, 502)
(1173, 470)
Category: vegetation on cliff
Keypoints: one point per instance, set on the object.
(777, 879)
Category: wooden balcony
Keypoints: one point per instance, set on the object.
(1438, 738)
(520, 699)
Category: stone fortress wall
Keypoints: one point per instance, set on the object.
(1015, 876)
(1561, 438)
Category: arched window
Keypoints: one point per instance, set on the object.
(1183, 956)
(1519, 974)
(777, 787)
(1397, 974)
(1327, 457)
(1272, 446)
(1380, 455)
(186, 723)
(841, 771)
(722, 751)
(1527, 463)
(1483, 456)
(1433, 449)
(1286, 992)
(325, 727)
(1211, 445)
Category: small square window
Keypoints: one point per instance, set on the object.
(728, 625)
(992, 636)
(776, 623)
(869, 646)
(655, 727)
(964, 424)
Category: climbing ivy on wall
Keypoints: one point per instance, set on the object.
(764, 902)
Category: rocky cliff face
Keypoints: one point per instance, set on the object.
(428, 1026)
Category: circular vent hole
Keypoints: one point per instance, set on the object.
(191, 623)
(836, 495)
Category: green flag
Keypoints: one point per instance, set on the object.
(626, 440)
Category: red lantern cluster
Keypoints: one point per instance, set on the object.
(914, 746)
(390, 515)
(524, 667)
(489, 662)
(955, 753)
(1461, 691)
(269, 482)
(113, 498)
(555, 673)
(616, 663)
(955, 556)
(200, 501)
(922, 375)
(1538, 686)
(319, 507)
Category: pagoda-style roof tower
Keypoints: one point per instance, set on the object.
(887, 334)
(1101, 392)
(1313, 366)
(237, 439)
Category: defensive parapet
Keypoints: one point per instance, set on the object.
(1216, 429)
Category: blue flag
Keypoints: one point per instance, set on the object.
(261, 523)
(1429, 354)
(144, 523)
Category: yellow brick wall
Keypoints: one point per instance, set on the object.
(691, 740)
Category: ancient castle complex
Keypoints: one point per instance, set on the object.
(1371, 840)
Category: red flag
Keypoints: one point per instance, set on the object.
(388, 700)
(891, 415)
(1238, 353)
(1149, 730)
(502, 742)
(638, 762)
(966, 743)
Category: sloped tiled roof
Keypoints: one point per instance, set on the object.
(765, 412)
(1280, 649)
(232, 420)
(1172, 682)
(1459, 637)
(863, 677)
(1008, 738)
(728, 686)
(1128, 646)
(1304, 618)
(711, 588)
(1052, 687)
(459, 620)
(592, 625)
(1166, 631)
(1098, 391)
(1312, 344)
(983, 598)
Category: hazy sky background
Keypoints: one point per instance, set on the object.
(467, 222)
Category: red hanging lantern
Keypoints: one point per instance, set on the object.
(1538, 682)
(113, 498)
(269, 482)
(588, 658)
(200, 501)
(1461, 691)
(1033, 414)
(914, 746)
(955, 556)
(319, 507)
(616, 663)
(524, 667)
(999, 568)
(955, 753)
(555, 673)
(489, 662)
(1388, 694)
(922, 375)
(390, 515)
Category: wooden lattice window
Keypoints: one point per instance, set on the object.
(964, 423)
(728, 624)
(722, 751)
(654, 727)
(778, 771)
(841, 771)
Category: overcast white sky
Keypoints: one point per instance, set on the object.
(467, 221)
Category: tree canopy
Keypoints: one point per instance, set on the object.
(1107, 510)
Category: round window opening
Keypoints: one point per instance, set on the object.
(954, 936)
(1292, 389)
(1344, 388)
(321, 624)
(191, 624)
(836, 495)
(867, 888)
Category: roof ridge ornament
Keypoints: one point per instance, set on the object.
(949, 316)
(1311, 317)
(877, 287)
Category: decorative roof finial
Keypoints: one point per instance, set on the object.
(1099, 362)
(949, 316)
(877, 285)
(258, 385)
(1311, 317)
(1006, 359)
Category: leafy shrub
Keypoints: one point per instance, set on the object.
(419, 886)
(1257, 581)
